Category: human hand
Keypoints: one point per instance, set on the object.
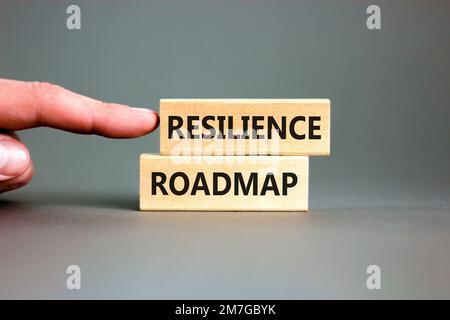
(25, 105)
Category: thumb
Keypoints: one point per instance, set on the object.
(16, 168)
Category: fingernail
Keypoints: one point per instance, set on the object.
(13, 160)
(143, 110)
(149, 112)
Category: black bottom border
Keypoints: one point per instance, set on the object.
(224, 309)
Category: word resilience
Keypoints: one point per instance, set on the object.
(286, 126)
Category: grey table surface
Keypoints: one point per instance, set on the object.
(124, 253)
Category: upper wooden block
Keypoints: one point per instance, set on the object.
(245, 127)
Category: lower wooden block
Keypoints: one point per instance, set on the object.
(223, 183)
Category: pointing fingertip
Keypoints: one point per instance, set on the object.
(156, 123)
(143, 110)
(153, 117)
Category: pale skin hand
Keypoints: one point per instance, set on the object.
(25, 105)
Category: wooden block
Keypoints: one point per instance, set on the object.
(223, 183)
(245, 126)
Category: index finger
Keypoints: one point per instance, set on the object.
(26, 105)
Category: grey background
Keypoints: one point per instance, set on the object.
(381, 198)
